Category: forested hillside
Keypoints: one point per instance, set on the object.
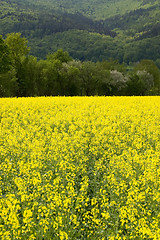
(95, 9)
(124, 30)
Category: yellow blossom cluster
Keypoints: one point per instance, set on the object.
(75, 168)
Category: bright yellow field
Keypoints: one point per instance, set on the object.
(80, 168)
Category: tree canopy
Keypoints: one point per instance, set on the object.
(23, 75)
(5, 56)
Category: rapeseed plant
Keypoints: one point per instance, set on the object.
(80, 168)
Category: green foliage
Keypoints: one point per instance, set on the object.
(150, 67)
(59, 55)
(126, 30)
(53, 78)
(8, 80)
(142, 49)
(89, 77)
(140, 83)
(8, 84)
(5, 57)
(70, 72)
(101, 34)
(98, 9)
(31, 20)
(27, 74)
(80, 44)
(60, 75)
(17, 45)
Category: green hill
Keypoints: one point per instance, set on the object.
(127, 30)
(95, 9)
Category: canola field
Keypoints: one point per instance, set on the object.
(80, 168)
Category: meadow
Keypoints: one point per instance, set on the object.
(77, 168)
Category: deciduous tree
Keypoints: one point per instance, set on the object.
(5, 57)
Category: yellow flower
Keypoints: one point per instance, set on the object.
(73, 167)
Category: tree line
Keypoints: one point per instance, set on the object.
(22, 75)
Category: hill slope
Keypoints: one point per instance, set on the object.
(127, 30)
(20, 16)
(95, 9)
